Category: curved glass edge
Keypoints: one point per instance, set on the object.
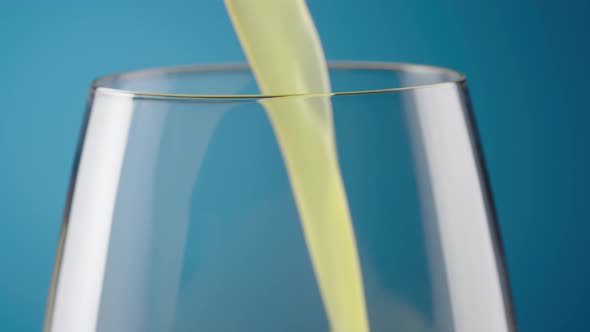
(99, 84)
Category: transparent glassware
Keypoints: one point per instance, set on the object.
(181, 217)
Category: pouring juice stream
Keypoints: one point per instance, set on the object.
(285, 55)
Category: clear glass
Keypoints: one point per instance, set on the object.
(181, 216)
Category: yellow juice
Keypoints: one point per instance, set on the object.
(286, 57)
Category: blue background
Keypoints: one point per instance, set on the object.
(526, 63)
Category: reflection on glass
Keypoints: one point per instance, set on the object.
(181, 216)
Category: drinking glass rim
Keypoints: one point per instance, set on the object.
(99, 84)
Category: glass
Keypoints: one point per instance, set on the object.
(181, 215)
